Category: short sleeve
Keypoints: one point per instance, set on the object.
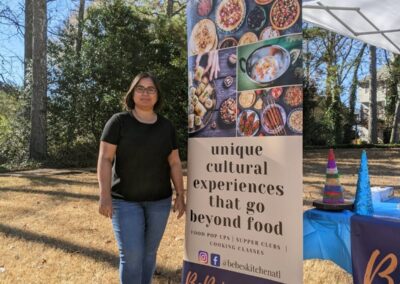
(174, 142)
(112, 130)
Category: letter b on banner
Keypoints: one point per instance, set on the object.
(375, 250)
(373, 268)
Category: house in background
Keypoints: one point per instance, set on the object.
(364, 91)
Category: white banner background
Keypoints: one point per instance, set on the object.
(248, 249)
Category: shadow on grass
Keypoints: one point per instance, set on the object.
(373, 170)
(51, 193)
(45, 179)
(163, 274)
(68, 247)
(74, 172)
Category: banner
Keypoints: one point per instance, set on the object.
(244, 209)
(375, 250)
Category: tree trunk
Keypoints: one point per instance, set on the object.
(353, 91)
(170, 8)
(373, 114)
(28, 41)
(38, 144)
(80, 27)
(333, 90)
(330, 70)
(307, 61)
(72, 121)
(394, 137)
(395, 89)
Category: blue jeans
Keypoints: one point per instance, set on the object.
(138, 229)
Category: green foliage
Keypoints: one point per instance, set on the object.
(350, 117)
(118, 42)
(309, 105)
(317, 130)
(334, 119)
(330, 59)
(169, 62)
(14, 128)
(310, 33)
(392, 95)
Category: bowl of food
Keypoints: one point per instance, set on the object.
(266, 64)
(256, 18)
(268, 33)
(294, 96)
(247, 98)
(228, 111)
(203, 37)
(248, 123)
(204, 7)
(284, 14)
(274, 119)
(276, 92)
(295, 120)
(248, 38)
(228, 42)
(230, 15)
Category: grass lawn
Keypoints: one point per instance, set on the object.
(50, 231)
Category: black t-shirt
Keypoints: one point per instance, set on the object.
(141, 170)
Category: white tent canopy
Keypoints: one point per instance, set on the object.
(376, 22)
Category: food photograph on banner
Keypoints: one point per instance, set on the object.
(274, 111)
(222, 24)
(212, 94)
(245, 96)
(236, 46)
(273, 62)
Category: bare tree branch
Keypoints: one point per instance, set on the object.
(179, 10)
(8, 17)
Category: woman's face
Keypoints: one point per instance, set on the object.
(145, 94)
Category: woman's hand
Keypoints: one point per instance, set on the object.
(177, 179)
(105, 206)
(179, 205)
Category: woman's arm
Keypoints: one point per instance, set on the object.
(177, 179)
(104, 166)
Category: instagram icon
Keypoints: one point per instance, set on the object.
(203, 257)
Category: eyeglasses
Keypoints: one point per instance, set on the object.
(141, 90)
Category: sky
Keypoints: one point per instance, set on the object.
(12, 41)
(12, 45)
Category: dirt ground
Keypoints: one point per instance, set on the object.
(50, 231)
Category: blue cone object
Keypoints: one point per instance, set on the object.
(363, 202)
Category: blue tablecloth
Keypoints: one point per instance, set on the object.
(388, 209)
(326, 234)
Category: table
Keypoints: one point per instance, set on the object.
(326, 235)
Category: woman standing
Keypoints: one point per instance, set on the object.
(138, 158)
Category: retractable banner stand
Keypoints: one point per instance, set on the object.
(245, 123)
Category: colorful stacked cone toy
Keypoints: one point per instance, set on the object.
(333, 197)
(333, 190)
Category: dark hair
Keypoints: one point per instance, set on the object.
(129, 102)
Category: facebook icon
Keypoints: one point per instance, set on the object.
(215, 259)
